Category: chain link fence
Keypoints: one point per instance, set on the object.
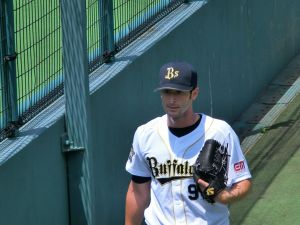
(31, 67)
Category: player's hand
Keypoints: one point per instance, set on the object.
(202, 184)
(221, 197)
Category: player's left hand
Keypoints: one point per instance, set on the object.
(227, 196)
(220, 197)
(202, 184)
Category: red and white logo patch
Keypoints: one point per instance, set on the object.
(239, 166)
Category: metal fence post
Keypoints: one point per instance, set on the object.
(2, 53)
(76, 143)
(107, 29)
(8, 56)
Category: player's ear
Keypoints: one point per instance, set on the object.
(195, 93)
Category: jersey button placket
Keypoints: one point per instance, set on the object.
(178, 204)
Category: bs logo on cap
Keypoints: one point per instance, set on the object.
(177, 76)
(171, 73)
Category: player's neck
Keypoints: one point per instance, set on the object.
(184, 121)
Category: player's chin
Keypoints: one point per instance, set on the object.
(173, 113)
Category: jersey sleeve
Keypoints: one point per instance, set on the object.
(136, 164)
(238, 169)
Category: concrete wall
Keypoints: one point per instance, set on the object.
(237, 48)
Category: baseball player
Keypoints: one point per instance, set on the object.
(163, 190)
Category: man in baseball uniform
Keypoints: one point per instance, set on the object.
(162, 190)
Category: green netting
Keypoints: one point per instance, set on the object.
(93, 31)
(37, 31)
(125, 20)
(129, 15)
(39, 46)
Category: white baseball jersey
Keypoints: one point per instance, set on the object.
(168, 160)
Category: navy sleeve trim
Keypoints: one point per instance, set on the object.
(140, 180)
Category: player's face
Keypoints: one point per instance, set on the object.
(178, 104)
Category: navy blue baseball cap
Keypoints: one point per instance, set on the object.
(177, 76)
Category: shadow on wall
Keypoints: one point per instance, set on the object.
(279, 92)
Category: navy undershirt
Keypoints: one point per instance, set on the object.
(178, 132)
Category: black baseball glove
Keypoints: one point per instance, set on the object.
(211, 166)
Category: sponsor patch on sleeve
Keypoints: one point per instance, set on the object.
(239, 166)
